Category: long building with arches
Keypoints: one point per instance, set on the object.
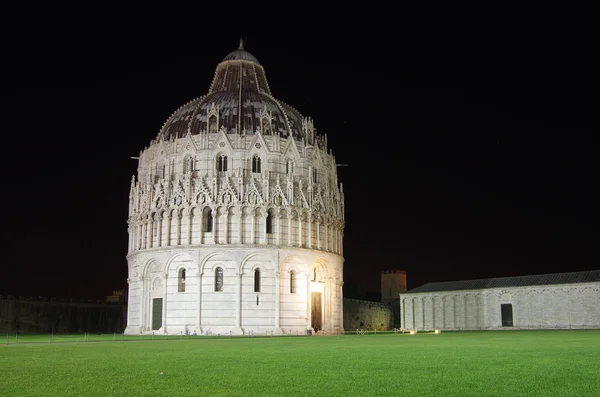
(236, 217)
(541, 301)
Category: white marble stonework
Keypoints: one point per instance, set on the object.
(553, 306)
(236, 217)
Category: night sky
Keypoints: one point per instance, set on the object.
(471, 143)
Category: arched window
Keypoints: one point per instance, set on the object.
(161, 170)
(315, 274)
(212, 124)
(256, 164)
(222, 163)
(181, 280)
(314, 175)
(188, 164)
(269, 223)
(218, 279)
(257, 280)
(207, 220)
(292, 286)
(289, 167)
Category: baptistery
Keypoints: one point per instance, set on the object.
(236, 217)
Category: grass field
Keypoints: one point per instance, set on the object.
(493, 363)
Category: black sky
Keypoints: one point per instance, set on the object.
(470, 137)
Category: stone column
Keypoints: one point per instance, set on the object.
(253, 230)
(277, 298)
(433, 312)
(199, 317)
(308, 300)
(238, 306)
(143, 303)
(129, 245)
(299, 230)
(200, 227)
(145, 234)
(151, 233)
(310, 231)
(226, 226)
(215, 224)
(178, 229)
(403, 314)
(129, 282)
(318, 230)
(240, 233)
(414, 325)
(135, 228)
(168, 236)
(164, 313)
(289, 221)
(326, 305)
(189, 226)
(263, 224)
(444, 312)
(159, 231)
(278, 229)
(341, 313)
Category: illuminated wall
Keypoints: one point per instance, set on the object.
(236, 217)
(561, 306)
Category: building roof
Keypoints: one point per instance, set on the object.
(240, 99)
(520, 281)
(241, 54)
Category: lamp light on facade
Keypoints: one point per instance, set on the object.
(437, 331)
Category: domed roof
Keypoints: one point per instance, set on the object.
(241, 54)
(239, 101)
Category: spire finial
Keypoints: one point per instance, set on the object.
(241, 47)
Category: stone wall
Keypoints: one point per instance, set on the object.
(564, 306)
(359, 314)
(289, 281)
(50, 315)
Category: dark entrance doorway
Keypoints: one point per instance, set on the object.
(315, 311)
(507, 314)
(156, 313)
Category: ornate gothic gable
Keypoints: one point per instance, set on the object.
(189, 145)
(222, 142)
(318, 203)
(147, 198)
(333, 205)
(178, 197)
(163, 149)
(253, 195)
(318, 199)
(203, 194)
(291, 149)
(318, 159)
(228, 194)
(159, 195)
(278, 197)
(301, 200)
(258, 145)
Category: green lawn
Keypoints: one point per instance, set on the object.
(493, 363)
